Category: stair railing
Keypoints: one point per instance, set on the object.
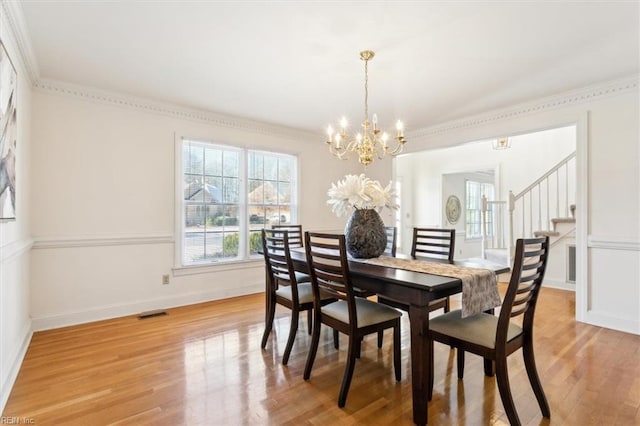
(533, 206)
(493, 215)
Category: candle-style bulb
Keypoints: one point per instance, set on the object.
(343, 123)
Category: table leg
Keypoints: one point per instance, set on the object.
(489, 367)
(420, 362)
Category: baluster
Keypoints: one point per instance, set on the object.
(539, 208)
(558, 193)
(548, 212)
(566, 191)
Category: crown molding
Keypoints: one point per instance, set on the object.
(574, 97)
(156, 107)
(12, 15)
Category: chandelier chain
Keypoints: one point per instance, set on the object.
(366, 89)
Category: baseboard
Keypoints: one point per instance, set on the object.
(560, 285)
(18, 357)
(116, 311)
(608, 321)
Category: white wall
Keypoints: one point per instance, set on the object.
(15, 242)
(103, 214)
(608, 187)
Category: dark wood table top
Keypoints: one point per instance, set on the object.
(420, 281)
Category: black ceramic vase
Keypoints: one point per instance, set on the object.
(365, 235)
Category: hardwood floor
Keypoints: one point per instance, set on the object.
(202, 365)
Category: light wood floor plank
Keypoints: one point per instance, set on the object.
(202, 365)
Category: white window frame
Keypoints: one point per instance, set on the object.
(180, 268)
(478, 207)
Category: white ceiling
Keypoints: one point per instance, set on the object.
(296, 64)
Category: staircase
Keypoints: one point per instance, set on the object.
(538, 210)
(557, 220)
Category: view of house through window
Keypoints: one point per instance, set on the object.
(473, 210)
(230, 194)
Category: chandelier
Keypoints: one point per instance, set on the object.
(370, 142)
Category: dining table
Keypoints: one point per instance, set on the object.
(415, 290)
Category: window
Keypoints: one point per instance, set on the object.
(473, 213)
(228, 195)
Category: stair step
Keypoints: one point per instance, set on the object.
(563, 220)
(546, 234)
(556, 220)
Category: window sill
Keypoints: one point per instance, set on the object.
(208, 268)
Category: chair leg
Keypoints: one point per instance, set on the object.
(396, 351)
(359, 347)
(460, 354)
(336, 339)
(348, 370)
(293, 330)
(502, 377)
(534, 379)
(315, 338)
(270, 314)
(310, 320)
(380, 338)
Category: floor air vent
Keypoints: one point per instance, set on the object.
(151, 314)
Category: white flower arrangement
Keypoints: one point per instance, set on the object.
(360, 192)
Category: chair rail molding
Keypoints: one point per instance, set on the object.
(98, 241)
(612, 242)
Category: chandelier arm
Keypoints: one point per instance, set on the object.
(397, 150)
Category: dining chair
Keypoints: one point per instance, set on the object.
(295, 233)
(285, 286)
(428, 244)
(434, 244)
(392, 238)
(354, 316)
(497, 337)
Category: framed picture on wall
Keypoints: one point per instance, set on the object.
(8, 135)
(453, 209)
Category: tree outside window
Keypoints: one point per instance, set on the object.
(229, 195)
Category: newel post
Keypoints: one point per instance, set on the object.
(483, 227)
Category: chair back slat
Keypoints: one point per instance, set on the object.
(522, 292)
(329, 268)
(280, 271)
(433, 243)
(392, 238)
(295, 234)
